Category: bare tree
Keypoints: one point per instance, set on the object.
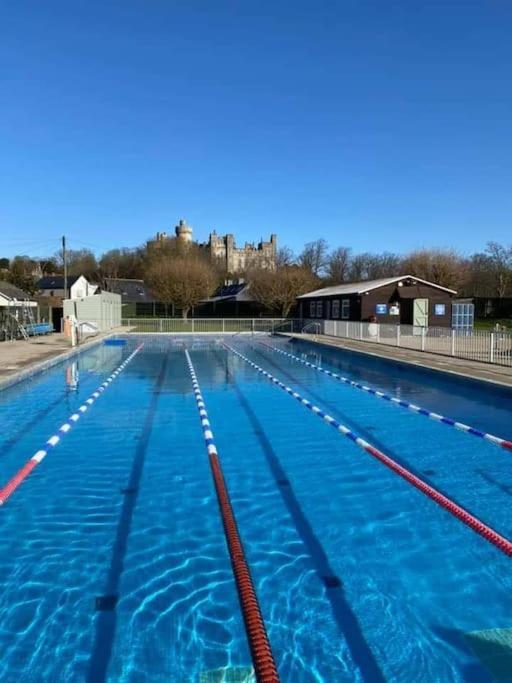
(444, 267)
(284, 257)
(338, 265)
(80, 262)
(122, 263)
(183, 281)
(278, 290)
(314, 256)
(500, 263)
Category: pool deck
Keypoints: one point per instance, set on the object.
(497, 374)
(23, 357)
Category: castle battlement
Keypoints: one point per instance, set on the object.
(223, 248)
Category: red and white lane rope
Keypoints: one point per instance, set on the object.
(262, 657)
(497, 440)
(502, 543)
(8, 489)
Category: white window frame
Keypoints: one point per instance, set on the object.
(335, 308)
(345, 309)
(319, 309)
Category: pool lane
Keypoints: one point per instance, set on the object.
(177, 608)
(450, 460)
(443, 419)
(344, 617)
(262, 656)
(414, 579)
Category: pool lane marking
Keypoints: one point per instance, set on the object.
(498, 441)
(262, 657)
(8, 489)
(487, 532)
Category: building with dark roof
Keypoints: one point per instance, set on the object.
(136, 297)
(405, 300)
(10, 294)
(232, 300)
(53, 286)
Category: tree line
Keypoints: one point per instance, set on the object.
(183, 274)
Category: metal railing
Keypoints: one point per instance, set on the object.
(210, 325)
(480, 345)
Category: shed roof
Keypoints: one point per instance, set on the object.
(131, 291)
(56, 281)
(232, 292)
(369, 285)
(10, 291)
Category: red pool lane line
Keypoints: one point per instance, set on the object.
(263, 660)
(463, 515)
(490, 535)
(8, 489)
(261, 652)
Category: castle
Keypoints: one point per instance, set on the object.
(224, 249)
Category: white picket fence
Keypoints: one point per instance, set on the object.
(489, 347)
(211, 325)
(481, 345)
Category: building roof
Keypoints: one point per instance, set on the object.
(231, 292)
(10, 291)
(56, 281)
(369, 285)
(131, 291)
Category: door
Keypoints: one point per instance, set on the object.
(420, 313)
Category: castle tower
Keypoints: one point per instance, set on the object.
(183, 231)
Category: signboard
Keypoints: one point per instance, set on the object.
(381, 309)
(440, 309)
(394, 309)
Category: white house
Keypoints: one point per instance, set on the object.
(53, 286)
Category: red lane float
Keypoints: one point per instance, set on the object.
(262, 657)
(499, 541)
(261, 652)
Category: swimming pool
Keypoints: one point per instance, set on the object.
(115, 565)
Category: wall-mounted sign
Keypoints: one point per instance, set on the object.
(440, 309)
(394, 309)
(381, 309)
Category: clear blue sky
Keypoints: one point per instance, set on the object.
(377, 124)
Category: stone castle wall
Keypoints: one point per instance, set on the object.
(223, 248)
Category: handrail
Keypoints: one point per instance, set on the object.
(317, 326)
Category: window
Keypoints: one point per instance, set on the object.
(312, 309)
(336, 308)
(345, 309)
(319, 309)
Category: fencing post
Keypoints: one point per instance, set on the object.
(453, 343)
(223, 324)
(423, 337)
(398, 335)
(491, 354)
(192, 325)
(160, 324)
(361, 331)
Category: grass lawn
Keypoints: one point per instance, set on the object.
(489, 323)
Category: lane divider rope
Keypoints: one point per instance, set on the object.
(8, 489)
(498, 441)
(262, 657)
(487, 532)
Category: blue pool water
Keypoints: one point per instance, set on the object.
(114, 564)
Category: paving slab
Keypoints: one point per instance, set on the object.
(21, 357)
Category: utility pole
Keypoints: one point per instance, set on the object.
(65, 261)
